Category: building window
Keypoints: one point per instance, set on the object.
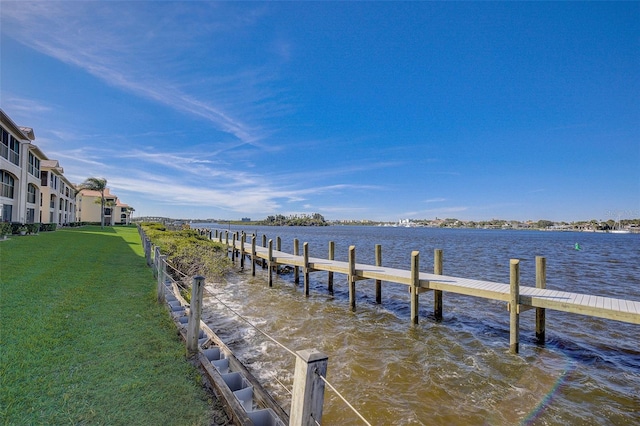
(52, 202)
(31, 194)
(34, 165)
(6, 212)
(4, 144)
(7, 183)
(44, 178)
(14, 150)
(31, 215)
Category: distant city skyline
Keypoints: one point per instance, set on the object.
(354, 110)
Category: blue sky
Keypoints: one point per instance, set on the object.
(354, 110)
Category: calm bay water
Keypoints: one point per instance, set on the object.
(457, 371)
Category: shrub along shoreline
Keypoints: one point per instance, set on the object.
(82, 339)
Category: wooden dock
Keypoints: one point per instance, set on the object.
(521, 297)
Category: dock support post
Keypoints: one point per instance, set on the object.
(226, 241)
(233, 249)
(278, 248)
(195, 313)
(514, 317)
(253, 255)
(415, 285)
(264, 244)
(305, 254)
(296, 269)
(352, 277)
(162, 273)
(242, 238)
(378, 282)
(541, 282)
(270, 263)
(308, 388)
(332, 255)
(437, 294)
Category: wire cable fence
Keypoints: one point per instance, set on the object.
(182, 286)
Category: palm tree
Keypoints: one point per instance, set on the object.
(95, 184)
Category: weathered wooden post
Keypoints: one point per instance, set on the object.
(195, 313)
(147, 250)
(352, 277)
(296, 269)
(437, 294)
(415, 285)
(162, 273)
(278, 248)
(308, 388)
(264, 244)
(233, 249)
(242, 237)
(514, 317)
(253, 255)
(270, 263)
(305, 269)
(378, 282)
(156, 259)
(541, 282)
(226, 242)
(332, 255)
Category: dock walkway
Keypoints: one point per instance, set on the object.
(523, 297)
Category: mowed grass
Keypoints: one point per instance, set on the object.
(82, 338)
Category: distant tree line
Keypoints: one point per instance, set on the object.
(315, 219)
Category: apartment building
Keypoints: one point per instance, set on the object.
(57, 195)
(20, 173)
(115, 212)
(33, 188)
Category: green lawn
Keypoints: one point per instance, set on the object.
(82, 340)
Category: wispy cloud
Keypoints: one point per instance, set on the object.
(23, 106)
(74, 35)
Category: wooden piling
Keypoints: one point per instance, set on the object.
(352, 277)
(378, 282)
(307, 399)
(514, 317)
(332, 255)
(296, 269)
(253, 255)
(305, 271)
(278, 248)
(195, 313)
(233, 249)
(264, 244)
(437, 294)
(270, 263)
(541, 282)
(242, 237)
(415, 285)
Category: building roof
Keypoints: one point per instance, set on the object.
(51, 164)
(28, 131)
(7, 121)
(90, 193)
